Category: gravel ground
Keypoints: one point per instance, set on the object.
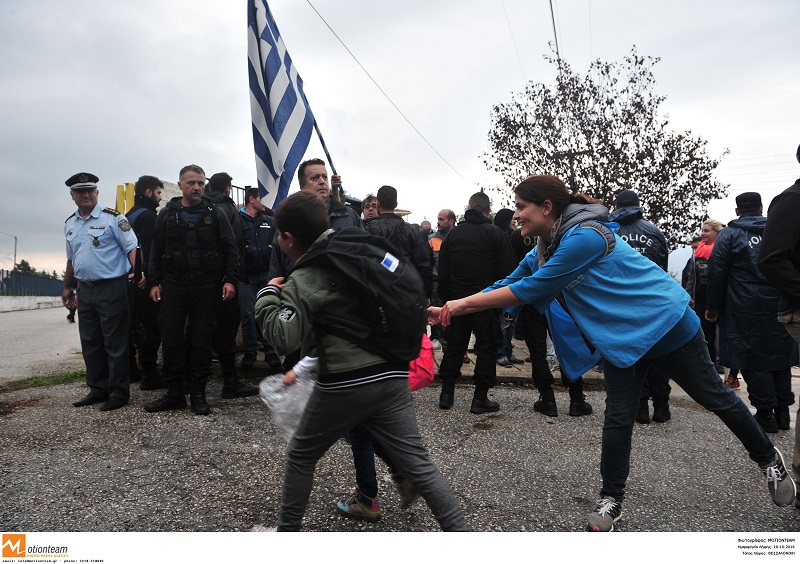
(78, 469)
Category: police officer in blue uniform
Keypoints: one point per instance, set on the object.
(101, 249)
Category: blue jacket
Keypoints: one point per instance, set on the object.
(623, 303)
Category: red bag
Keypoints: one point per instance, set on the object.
(420, 371)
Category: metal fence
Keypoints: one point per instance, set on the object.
(19, 284)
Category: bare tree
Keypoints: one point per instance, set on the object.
(601, 133)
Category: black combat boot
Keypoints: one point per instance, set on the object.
(782, 417)
(766, 418)
(197, 397)
(661, 410)
(232, 387)
(482, 404)
(446, 396)
(578, 406)
(546, 404)
(174, 400)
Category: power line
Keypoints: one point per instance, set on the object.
(555, 35)
(514, 41)
(384, 93)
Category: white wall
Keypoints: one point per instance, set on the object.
(19, 303)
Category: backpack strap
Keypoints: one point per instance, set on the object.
(611, 243)
(136, 213)
(607, 234)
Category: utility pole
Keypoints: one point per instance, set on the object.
(15, 248)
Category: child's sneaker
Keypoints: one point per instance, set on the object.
(779, 484)
(607, 512)
(359, 506)
(733, 382)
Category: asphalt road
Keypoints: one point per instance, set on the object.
(38, 342)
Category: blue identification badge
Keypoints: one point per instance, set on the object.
(390, 262)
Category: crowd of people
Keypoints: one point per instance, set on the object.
(186, 279)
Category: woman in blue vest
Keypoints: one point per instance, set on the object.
(631, 311)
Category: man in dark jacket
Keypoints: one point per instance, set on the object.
(391, 227)
(648, 240)
(779, 261)
(475, 254)
(228, 318)
(259, 231)
(142, 217)
(745, 303)
(313, 177)
(194, 259)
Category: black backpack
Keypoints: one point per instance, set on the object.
(387, 293)
(701, 268)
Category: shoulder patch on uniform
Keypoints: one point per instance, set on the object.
(112, 211)
(70, 217)
(124, 225)
(287, 314)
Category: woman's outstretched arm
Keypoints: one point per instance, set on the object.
(500, 298)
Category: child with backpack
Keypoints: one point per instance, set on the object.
(319, 310)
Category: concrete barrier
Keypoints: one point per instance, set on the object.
(20, 303)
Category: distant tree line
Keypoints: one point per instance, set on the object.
(24, 267)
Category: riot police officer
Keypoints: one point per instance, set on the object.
(193, 260)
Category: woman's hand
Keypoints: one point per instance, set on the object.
(451, 308)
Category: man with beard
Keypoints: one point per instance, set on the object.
(142, 217)
(193, 262)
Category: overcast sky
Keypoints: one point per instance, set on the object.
(122, 89)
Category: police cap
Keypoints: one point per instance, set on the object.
(626, 199)
(81, 181)
(748, 201)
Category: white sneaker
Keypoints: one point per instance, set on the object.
(436, 344)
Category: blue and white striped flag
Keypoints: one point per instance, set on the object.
(282, 119)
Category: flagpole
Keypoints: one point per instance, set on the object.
(325, 148)
(330, 160)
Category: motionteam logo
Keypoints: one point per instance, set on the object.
(15, 546)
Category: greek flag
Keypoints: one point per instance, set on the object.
(282, 119)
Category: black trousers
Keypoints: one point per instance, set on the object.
(104, 327)
(486, 326)
(188, 310)
(534, 327)
(147, 339)
(227, 325)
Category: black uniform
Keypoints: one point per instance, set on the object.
(394, 229)
(142, 217)
(228, 314)
(193, 253)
